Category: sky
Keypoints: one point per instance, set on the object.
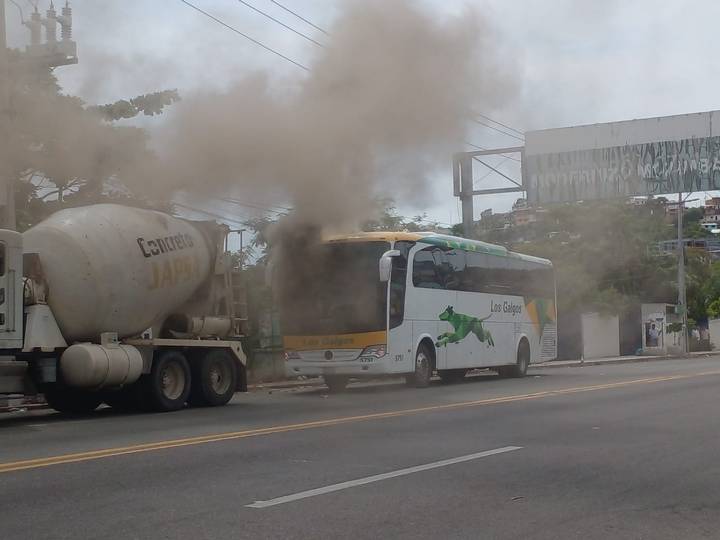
(575, 62)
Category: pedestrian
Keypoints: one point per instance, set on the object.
(653, 334)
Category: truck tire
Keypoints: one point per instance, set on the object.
(420, 378)
(71, 400)
(336, 383)
(168, 386)
(214, 379)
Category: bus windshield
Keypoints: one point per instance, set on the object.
(334, 289)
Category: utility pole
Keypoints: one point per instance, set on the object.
(466, 198)
(7, 191)
(682, 302)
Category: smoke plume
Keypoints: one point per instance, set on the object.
(383, 105)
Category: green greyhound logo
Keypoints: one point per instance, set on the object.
(463, 325)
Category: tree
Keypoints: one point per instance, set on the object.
(692, 228)
(388, 219)
(147, 104)
(65, 153)
(602, 256)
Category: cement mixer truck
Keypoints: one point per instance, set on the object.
(134, 308)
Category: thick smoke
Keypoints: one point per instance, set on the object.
(384, 104)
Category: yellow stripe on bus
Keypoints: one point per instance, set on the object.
(337, 341)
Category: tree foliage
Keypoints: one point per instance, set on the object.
(64, 153)
(601, 252)
(605, 258)
(388, 219)
(147, 104)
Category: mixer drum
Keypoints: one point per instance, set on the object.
(112, 268)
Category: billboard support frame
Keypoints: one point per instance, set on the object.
(464, 189)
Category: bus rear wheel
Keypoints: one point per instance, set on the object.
(420, 378)
(519, 369)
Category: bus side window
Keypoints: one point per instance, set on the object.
(425, 273)
(2, 259)
(475, 277)
(456, 269)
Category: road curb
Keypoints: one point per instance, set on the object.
(620, 360)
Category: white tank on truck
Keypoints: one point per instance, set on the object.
(111, 268)
(133, 307)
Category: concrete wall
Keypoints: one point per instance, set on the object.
(714, 328)
(601, 335)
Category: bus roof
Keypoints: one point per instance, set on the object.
(432, 238)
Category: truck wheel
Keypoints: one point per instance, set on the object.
(168, 385)
(449, 376)
(69, 400)
(214, 379)
(336, 383)
(420, 378)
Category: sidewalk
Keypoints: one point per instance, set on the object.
(317, 381)
(620, 360)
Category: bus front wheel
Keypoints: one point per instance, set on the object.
(420, 378)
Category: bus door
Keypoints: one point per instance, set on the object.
(428, 298)
(400, 342)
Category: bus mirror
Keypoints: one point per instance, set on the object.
(386, 264)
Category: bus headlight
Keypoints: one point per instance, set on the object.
(376, 351)
(292, 355)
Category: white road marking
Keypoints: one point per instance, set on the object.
(379, 477)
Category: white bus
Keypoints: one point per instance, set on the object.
(375, 304)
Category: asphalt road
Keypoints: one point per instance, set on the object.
(624, 451)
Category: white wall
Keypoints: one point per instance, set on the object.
(601, 335)
(714, 328)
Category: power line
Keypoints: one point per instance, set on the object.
(207, 213)
(486, 117)
(255, 206)
(230, 200)
(497, 129)
(316, 27)
(278, 21)
(255, 41)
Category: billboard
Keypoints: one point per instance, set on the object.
(621, 159)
